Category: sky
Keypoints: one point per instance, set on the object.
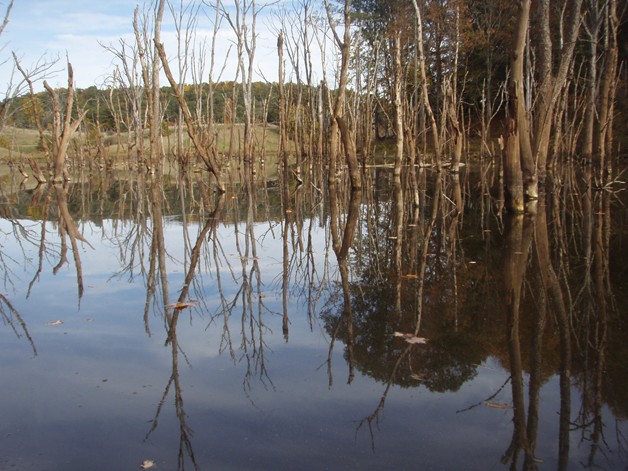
(47, 29)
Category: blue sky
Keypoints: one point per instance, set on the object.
(52, 28)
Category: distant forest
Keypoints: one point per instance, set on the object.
(101, 105)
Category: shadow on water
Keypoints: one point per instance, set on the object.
(422, 290)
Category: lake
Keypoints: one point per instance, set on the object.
(149, 322)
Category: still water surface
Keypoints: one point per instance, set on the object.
(284, 354)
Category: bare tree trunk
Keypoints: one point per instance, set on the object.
(592, 28)
(142, 45)
(283, 141)
(5, 104)
(399, 115)
(62, 130)
(513, 174)
(155, 116)
(184, 32)
(454, 107)
(551, 84)
(246, 43)
(133, 120)
(42, 138)
(607, 91)
(210, 86)
(424, 88)
(346, 133)
(524, 103)
(206, 152)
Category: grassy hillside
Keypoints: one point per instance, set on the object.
(17, 144)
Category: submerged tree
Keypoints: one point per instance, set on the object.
(340, 123)
(63, 127)
(517, 139)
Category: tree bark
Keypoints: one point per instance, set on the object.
(206, 153)
(398, 104)
(516, 122)
(347, 136)
(155, 116)
(551, 83)
(62, 131)
(424, 88)
(283, 141)
(607, 90)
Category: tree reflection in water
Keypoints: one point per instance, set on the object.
(533, 281)
(536, 292)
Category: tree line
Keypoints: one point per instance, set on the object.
(103, 106)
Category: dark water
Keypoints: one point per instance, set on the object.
(286, 357)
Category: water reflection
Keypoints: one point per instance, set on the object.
(256, 291)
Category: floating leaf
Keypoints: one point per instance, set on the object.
(497, 405)
(410, 276)
(147, 464)
(57, 322)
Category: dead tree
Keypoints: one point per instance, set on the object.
(150, 75)
(185, 32)
(339, 121)
(515, 121)
(4, 105)
(552, 79)
(424, 88)
(63, 127)
(125, 76)
(282, 154)
(399, 115)
(29, 77)
(608, 87)
(246, 39)
(207, 153)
